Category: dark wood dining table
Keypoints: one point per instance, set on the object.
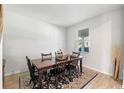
(49, 64)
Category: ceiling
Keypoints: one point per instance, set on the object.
(62, 14)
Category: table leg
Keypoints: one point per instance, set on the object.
(81, 69)
(40, 79)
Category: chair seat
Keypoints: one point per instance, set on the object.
(36, 74)
(56, 71)
(70, 67)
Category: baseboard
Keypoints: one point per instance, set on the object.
(14, 72)
(98, 70)
(121, 77)
(123, 86)
(19, 71)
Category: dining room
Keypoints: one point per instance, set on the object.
(62, 46)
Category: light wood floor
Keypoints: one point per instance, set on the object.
(101, 81)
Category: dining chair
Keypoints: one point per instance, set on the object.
(61, 71)
(46, 56)
(74, 56)
(57, 73)
(46, 73)
(33, 75)
(58, 54)
(73, 68)
(61, 66)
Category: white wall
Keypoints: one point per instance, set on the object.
(25, 36)
(118, 33)
(104, 32)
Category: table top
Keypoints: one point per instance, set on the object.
(39, 64)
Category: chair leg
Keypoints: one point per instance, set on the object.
(30, 81)
(33, 86)
(56, 81)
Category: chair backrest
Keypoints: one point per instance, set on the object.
(59, 54)
(75, 54)
(30, 68)
(46, 56)
(74, 57)
(61, 59)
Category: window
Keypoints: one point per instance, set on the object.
(83, 40)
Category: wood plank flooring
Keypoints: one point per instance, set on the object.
(101, 81)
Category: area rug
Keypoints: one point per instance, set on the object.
(78, 83)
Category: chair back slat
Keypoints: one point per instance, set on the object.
(75, 54)
(46, 56)
(58, 54)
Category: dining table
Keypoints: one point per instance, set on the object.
(45, 65)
